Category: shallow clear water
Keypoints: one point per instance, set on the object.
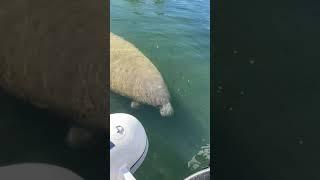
(174, 35)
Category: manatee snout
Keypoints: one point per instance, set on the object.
(160, 100)
(159, 96)
(166, 110)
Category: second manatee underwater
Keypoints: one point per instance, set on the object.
(133, 75)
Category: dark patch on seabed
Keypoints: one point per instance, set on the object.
(267, 90)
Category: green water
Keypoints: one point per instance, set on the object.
(174, 35)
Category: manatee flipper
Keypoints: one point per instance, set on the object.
(135, 105)
(78, 136)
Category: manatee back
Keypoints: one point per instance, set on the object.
(133, 74)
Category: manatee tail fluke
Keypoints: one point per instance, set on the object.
(166, 110)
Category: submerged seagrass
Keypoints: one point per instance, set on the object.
(52, 54)
(133, 75)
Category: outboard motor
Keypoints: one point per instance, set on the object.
(128, 146)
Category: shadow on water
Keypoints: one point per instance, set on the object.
(28, 134)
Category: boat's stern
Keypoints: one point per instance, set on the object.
(128, 146)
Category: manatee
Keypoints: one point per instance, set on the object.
(134, 76)
(52, 54)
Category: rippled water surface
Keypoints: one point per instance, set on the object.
(174, 35)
